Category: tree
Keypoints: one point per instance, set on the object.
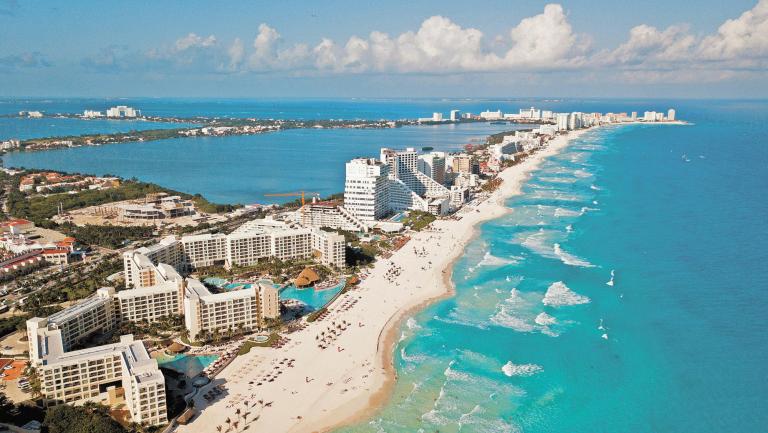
(89, 418)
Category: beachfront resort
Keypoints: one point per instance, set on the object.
(80, 353)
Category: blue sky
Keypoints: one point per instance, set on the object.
(374, 48)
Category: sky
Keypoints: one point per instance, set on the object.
(416, 48)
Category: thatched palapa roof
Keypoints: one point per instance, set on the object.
(307, 277)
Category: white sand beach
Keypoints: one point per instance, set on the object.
(314, 389)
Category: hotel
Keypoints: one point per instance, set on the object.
(238, 310)
(152, 302)
(137, 264)
(101, 374)
(83, 319)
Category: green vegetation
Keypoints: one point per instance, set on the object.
(498, 137)
(418, 220)
(107, 236)
(491, 185)
(72, 285)
(88, 418)
(18, 414)
(39, 209)
(250, 344)
(9, 325)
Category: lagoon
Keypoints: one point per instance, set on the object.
(241, 169)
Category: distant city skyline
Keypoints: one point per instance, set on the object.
(393, 49)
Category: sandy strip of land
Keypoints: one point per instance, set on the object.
(315, 389)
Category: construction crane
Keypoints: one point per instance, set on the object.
(295, 194)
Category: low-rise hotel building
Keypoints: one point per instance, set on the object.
(152, 302)
(96, 373)
(237, 310)
(83, 319)
(137, 264)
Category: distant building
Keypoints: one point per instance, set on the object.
(455, 115)
(121, 111)
(491, 115)
(671, 114)
(91, 114)
(562, 121)
(366, 191)
(464, 164)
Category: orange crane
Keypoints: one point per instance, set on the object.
(295, 194)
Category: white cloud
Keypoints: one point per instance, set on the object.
(543, 42)
(194, 41)
(543, 39)
(746, 36)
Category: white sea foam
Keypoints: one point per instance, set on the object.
(491, 260)
(604, 336)
(570, 259)
(560, 212)
(582, 173)
(411, 358)
(610, 282)
(569, 228)
(558, 295)
(411, 323)
(544, 319)
(506, 316)
(595, 187)
(558, 179)
(511, 369)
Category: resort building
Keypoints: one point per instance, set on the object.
(79, 321)
(204, 250)
(329, 214)
(122, 111)
(464, 163)
(245, 309)
(262, 238)
(151, 302)
(366, 189)
(396, 182)
(330, 248)
(96, 373)
(137, 263)
(433, 165)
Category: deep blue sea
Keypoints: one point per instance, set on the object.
(535, 339)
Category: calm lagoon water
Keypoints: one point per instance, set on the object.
(241, 169)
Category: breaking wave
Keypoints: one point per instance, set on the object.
(511, 369)
(558, 295)
(570, 259)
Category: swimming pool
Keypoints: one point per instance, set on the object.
(314, 299)
(189, 365)
(215, 281)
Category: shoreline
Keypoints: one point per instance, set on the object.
(388, 340)
(353, 378)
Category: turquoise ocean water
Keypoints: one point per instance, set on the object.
(678, 343)
(536, 340)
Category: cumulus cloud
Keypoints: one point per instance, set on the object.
(545, 41)
(194, 41)
(744, 36)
